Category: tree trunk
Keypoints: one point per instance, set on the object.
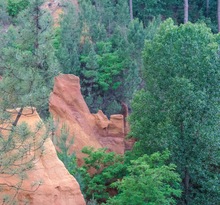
(186, 11)
(17, 117)
(186, 185)
(131, 9)
(207, 8)
(218, 14)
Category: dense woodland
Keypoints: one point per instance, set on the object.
(161, 58)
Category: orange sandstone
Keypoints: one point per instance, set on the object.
(48, 183)
(68, 107)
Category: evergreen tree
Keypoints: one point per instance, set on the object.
(15, 6)
(68, 41)
(104, 51)
(148, 9)
(198, 10)
(179, 107)
(20, 146)
(28, 63)
(28, 66)
(4, 16)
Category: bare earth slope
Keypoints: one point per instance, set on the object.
(68, 108)
(57, 186)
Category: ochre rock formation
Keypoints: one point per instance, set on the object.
(55, 7)
(53, 183)
(68, 108)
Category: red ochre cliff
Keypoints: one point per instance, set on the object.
(56, 185)
(53, 183)
(68, 108)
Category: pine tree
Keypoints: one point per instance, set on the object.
(16, 6)
(104, 51)
(28, 66)
(28, 63)
(68, 40)
(4, 16)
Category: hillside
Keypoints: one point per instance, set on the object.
(100, 72)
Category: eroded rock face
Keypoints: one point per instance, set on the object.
(48, 183)
(68, 107)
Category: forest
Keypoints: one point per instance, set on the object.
(161, 58)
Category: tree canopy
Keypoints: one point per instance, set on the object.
(96, 44)
(178, 109)
(150, 181)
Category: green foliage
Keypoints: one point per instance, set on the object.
(18, 147)
(67, 41)
(101, 46)
(64, 144)
(149, 182)
(28, 62)
(27, 66)
(106, 168)
(147, 10)
(16, 6)
(4, 17)
(152, 28)
(179, 108)
(18, 140)
(205, 11)
(56, 39)
(106, 68)
(148, 178)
